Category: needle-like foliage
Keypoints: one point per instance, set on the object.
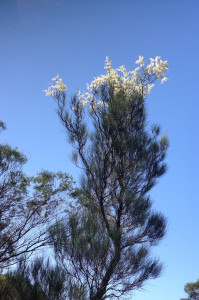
(105, 244)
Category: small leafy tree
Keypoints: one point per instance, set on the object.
(27, 205)
(104, 245)
(192, 290)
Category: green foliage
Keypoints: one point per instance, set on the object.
(104, 244)
(192, 290)
(37, 281)
(28, 205)
(2, 125)
(82, 242)
(102, 239)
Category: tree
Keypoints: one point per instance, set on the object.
(37, 280)
(104, 244)
(192, 290)
(27, 205)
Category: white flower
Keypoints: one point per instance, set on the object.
(47, 92)
(149, 88)
(53, 89)
(140, 61)
(107, 64)
(149, 68)
(59, 86)
(164, 79)
(55, 78)
(138, 81)
(83, 103)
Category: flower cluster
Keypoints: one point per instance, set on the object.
(56, 87)
(138, 81)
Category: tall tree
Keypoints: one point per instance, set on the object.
(105, 243)
(27, 205)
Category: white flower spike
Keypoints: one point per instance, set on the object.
(138, 81)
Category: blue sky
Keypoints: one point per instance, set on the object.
(39, 39)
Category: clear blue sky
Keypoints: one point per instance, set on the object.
(39, 39)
